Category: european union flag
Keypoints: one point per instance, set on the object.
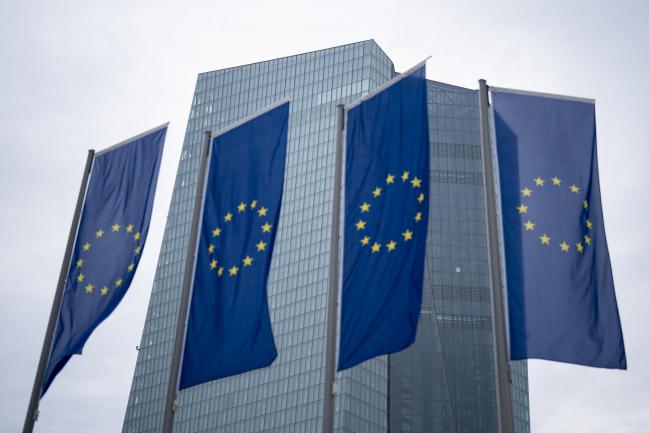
(386, 219)
(229, 330)
(561, 296)
(112, 231)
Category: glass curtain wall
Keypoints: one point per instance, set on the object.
(445, 382)
(287, 397)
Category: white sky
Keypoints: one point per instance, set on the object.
(76, 75)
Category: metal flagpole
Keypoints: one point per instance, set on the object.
(503, 369)
(188, 278)
(334, 272)
(32, 410)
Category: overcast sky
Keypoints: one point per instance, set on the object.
(80, 75)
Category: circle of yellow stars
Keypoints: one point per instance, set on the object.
(544, 238)
(228, 220)
(83, 280)
(374, 246)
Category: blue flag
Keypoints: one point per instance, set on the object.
(561, 297)
(229, 330)
(112, 231)
(386, 219)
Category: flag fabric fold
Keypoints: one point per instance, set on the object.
(108, 246)
(561, 296)
(229, 329)
(386, 218)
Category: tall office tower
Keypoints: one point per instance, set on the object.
(445, 382)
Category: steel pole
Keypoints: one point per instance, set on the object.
(32, 410)
(181, 325)
(501, 352)
(334, 273)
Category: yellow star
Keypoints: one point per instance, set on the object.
(376, 247)
(104, 291)
(220, 271)
(365, 240)
(421, 197)
(213, 264)
(137, 236)
(263, 211)
(556, 181)
(416, 182)
(118, 282)
(89, 288)
(137, 250)
(228, 217)
(210, 249)
(129, 228)
(391, 245)
(79, 263)
(99, 233)
(564, 247)
(86, 246)
(580, 247)
(585, 204)
(522, 209)
(360, 225)
(545, 239)
(389, 179)
(376, 192)
(266, 228)
(233, 271)
(526, 192)
(574, 188)
(241, 207)
(529, 225)
(407, 235)
(253, 204)
(365, 207)
(131, 267)
(80, 277)
(418, 217)
(261, 246)
(115, 227)
(216, 232)
(247, 261)
(405, 175)
(539, 182)
(587, 239)
(589, 224)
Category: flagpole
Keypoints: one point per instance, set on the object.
(503, 369)
(181, 326)
(334, 273)
(32, 410)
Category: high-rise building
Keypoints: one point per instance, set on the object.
(445, 382)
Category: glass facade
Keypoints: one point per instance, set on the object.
(445, 382)
(429, 388)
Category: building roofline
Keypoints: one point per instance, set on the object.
(200, 74)
(450, 86)
(379, 47)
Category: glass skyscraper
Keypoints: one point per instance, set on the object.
(445, 382)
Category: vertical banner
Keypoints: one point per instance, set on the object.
(561, 296)
(229, 330)
(386, 219)
(109, 242)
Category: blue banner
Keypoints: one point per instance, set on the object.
(112, 232)
(229, 330)
(386, 220)
(561, 297)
